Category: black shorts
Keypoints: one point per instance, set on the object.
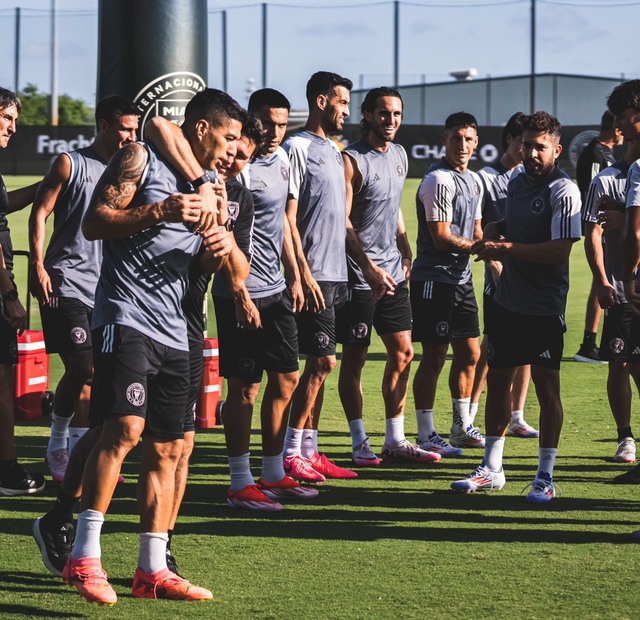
(489, 310)
(8, 343)
(317, 331)
(520, 339)
(616, 333)
(135, 375)
(66, 323)
(442, 312)
(389, 315)
(633, 356)
(246, 353)
(196, 366)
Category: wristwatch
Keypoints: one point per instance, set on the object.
(228, 225)
(12, 295)
(199, 181)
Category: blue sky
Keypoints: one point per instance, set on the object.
(352, 38)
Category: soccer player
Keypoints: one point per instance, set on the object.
(595, 157)
(141, 377)
(443, 302)
(64, 278)
(495, 180)
(542, 223)
(14, 478)
(375, 169)
(316, 210)
(603, 218)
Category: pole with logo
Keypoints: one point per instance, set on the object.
(153, 52)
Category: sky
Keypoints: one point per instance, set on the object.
(350, 37)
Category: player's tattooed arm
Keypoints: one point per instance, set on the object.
(110, 216)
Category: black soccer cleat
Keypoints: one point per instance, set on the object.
(55, 543)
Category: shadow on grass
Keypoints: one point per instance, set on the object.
(6, 611)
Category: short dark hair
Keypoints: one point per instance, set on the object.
(370, 102)
(513, 128)
(113, 107)
(252, 129)
(461, 119)
(269, 97)
(214, 106)
(623, 96)
(542, 122)
(9, 98)
(325, 83)
(607, 121)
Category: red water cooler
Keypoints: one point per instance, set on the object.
(210, 388)
(32, 376)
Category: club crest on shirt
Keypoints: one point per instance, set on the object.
(234, 209)
(78, 335)
(537, 205)
(136, 394)
(616, 345)
(360, 330)
(284, 173)
(400, 170)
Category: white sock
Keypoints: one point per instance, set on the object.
(309, 445)
(473, 411)
(87, 543)
(74, 437)
(152, 556)
(395, 432)
(547, 460)
(240, 472)
(425, 424)
(356, 428)
(517, 417)
(58, 439)
(493, 451)
(461, 412)
(272, 468)
(292, 441)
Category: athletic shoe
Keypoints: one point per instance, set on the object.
(363, 455)
(54, 542)
(589, 355)
(542, 489)
(435, 443)
(522, 429)
(471, 438)
(408, 452)
(285, 489)
(253, 498)
(301, 469)
(626, 452)
(18, 481)
(629, 477)
(90, 579)
(482, 479)
(57, 462)
(329, 469)
(165, 584)
(172, 564)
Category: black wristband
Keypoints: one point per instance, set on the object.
(200, 181)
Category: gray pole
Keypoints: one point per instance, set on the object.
(396, 41)
(224, 51)
(17, 52)
(54, 64)
(264, 45)
(532, 77)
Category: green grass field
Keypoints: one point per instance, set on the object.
(395, 543)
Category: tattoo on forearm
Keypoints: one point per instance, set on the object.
(120, 180)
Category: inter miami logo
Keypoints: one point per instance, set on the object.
(234, 209)
(284, 173)
(78, 335)
(360, 330)
(537, 205)
(490, 352)
(442, 329)
(13, 349)
(136, 394)
(400, 170)
(616, 345)
(246, 364)
(322, 339)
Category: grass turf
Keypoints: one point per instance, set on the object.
(395, 543)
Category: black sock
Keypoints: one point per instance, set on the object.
(5, 467)
(64, 508)
(170, 535)
(623, 433)
(589, 339)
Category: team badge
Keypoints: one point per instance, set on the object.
(246, 364)
(322, 339)
(442, 329)
(78, 335)
(234, 209)
(490, 352)
(284, 173)
(537, 205)
(616, 345)
(360, 330)
(13, 349)
(136, 394)
(339, 158)
(400, 170)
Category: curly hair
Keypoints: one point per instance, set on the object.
(542, 122)
(623, 96)
(371, 100)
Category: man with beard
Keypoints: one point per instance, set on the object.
(542, 223)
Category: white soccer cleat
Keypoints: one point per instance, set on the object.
(482, 479)
(469, 438)
(626, 452)
(435, 443)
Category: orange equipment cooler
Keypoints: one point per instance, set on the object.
(210, 388)
(32, 376)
